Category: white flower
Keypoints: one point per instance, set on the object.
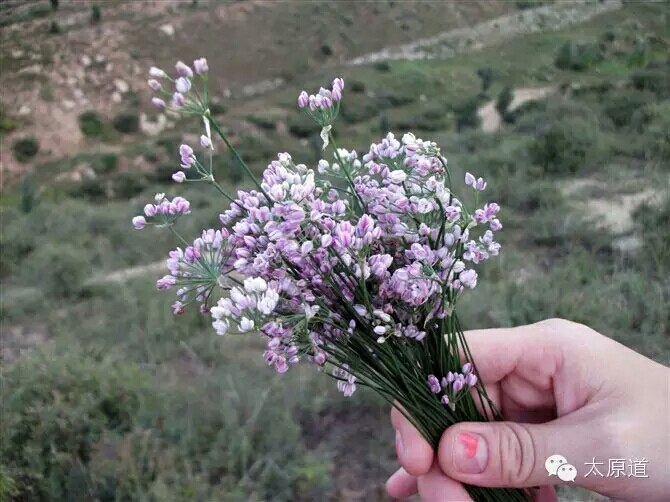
(310, 311)
(237, 296)
(221, 326)
(468, 278)
(246, 325)
(397, 176)
(255, 285)
(268, 302)
(380, 330)
(159, 197)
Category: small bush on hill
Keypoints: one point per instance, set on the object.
(25, 148)
(577, 56)
(505, 99)
(127, 123)
(91, 124)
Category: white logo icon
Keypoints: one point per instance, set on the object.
(567, 472)
(553, 463)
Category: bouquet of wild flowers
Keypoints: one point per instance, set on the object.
(355, 266)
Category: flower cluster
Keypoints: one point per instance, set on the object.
(453, 386)
(323, 106)
(163, 213)
(355, 264)
(390, 254)
(180, 97)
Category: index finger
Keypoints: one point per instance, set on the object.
(534, 351)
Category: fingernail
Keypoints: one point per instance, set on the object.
(471, 453)
(399, 447)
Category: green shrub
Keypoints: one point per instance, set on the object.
(382, 66)
(88, 188)
(127, 185)
(357, 87)
(91, 124)
(7, 125)
(640, 56)
(554, 151)
(106, 163)
(406, 86)
(127, 122)
(652, 123)
(82, 427)
(54, 28)
(620, 107)
(265, 122)
(486, 75)
(505, 99)
(27, 196)
(577, 56)
(17, 239)
(25, 148)
(359, 108)
(567, 137)
(217, 108)
(654, 226)
(656, 80)
(59, 269)
(467, 116)
(301, 125)
(96, 14)
(58, 409)
(163, 172)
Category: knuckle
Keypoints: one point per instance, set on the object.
(517, 454)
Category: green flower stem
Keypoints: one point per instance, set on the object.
(237, 157)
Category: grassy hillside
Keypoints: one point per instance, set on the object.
(108, 397)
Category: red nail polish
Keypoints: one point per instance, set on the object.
(470, 443)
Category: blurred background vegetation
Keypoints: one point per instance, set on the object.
(107, 397)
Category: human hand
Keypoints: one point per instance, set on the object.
(565, 390)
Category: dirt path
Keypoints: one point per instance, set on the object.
(451, 43)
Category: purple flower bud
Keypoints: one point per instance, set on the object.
(178, 99)
(205, 142)
(179, 177)
(458, 385)
(200, 66)
(154, 84)
(434, 384)
(156, 72)
(158, 102)
(471, 379)
(167, 282)
(183, 85)
(338, 84)
(149, 210)
(336, 95)
(185, 151)
(480, 184)
(470, 180)
(183, 70)
(303, 99)
(139, 222)
(444, 400)
(177, 308)
(467, 368)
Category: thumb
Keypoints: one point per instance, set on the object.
(514, 455)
